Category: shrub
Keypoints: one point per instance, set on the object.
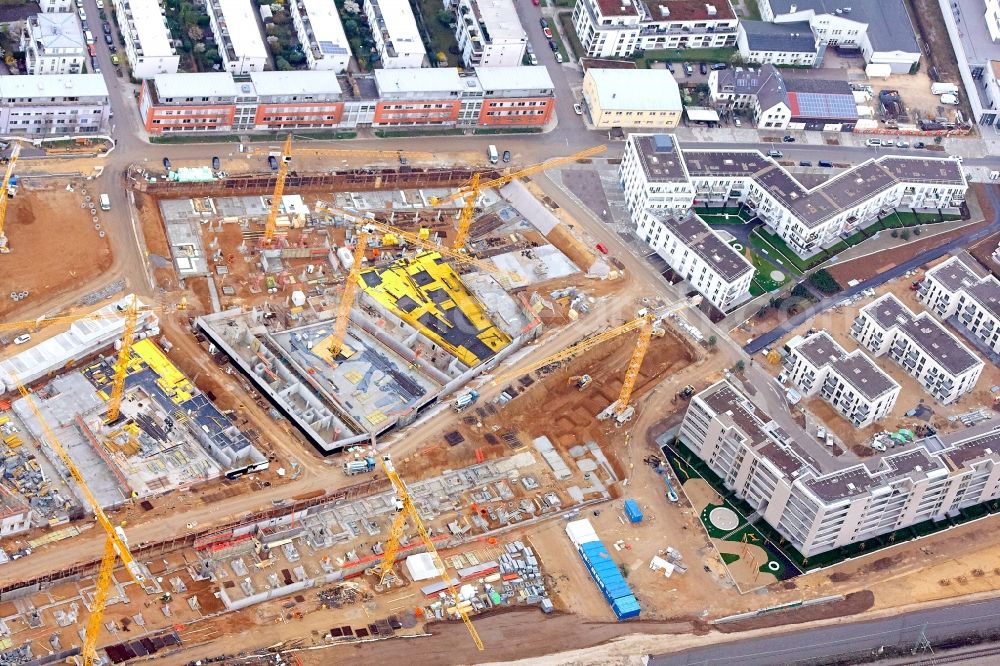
(916, 232)
(824, 282)
(895, 234)
(905, 235)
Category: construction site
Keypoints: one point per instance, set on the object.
(406, 324)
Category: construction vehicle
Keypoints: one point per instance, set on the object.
(405, 508)
(470, 193)
(582, 381)
(467, 399)
(279, 189)
(5, 195)
(115, 544)
(359, 466)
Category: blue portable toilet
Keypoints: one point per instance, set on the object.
(633, 511)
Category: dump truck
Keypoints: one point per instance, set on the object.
(466, 399)
(359, 466)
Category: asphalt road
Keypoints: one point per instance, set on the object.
(807, 646)
(767, 339)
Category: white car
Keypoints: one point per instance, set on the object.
(559, 57)
(100, 4)
(578, 109)
(821, 434)
(83, 14)
(21, 339)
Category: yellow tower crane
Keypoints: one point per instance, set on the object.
(405, 508)
(5, 196)
(347, 297)
(471, 191)
(121, 365)
(115, 543)
(279, 189)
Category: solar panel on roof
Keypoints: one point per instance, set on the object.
(818, 105)
(329, 48)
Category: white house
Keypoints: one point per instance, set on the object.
(961, 291)
(759, 92)
(696, 253)
(489, 33)
(53, 44)
(234, 24)
(56, 6)
(760, 42)
(396, 36)
(855, 386)
(817, 505)
(881, 29)
(149, 47)
(945, 367)
(654, 175)
(618, 28)
(321, 34)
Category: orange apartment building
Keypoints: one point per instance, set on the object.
(443, 97)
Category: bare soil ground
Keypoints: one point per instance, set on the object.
(983, 251)
(54, 247)
(938, 51)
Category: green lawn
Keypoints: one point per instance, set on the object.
(773, 244)
(566, 28)
(442, 37)
(762, 282)
(686, 55)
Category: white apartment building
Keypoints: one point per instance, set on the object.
(881, 29)
(321, 34)
(396, 36)
(760, 42)
(56, 6)
(655, 173)
(818, 505)
(696, 253)
(53, 104)
(53, 44)
(964, 293)
(234, 24)
(855, 386)
(489, 33)
(945, 367)
(618, 28)
(149, 47)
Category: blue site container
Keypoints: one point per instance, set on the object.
(633, 511)
(625, 608)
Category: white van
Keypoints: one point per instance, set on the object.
(89, 36)
(493, 154)
(105, 202)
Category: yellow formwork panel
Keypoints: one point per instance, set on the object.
(398, 282)
(171, 380)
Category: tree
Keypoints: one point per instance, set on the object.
(281, 64)
(712, 341)
(445, 17)
(196, 34)
(351, 28)
(296, 57)
(801, 291)
(825, 282)
(740, 366)
(200, 47)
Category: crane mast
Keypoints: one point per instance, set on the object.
(121, 365)
(5, 197)
(279, 189)
(347, 298)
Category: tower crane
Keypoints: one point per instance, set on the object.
(279, 189)
(405, 508)
(115, 543)
(471, 191)
(5, 197)
(347, 298)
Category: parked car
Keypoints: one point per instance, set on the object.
(535, 2)
(506, 156)
(704, 68)
(719, 66)
(902, 144)
(92, 50)
(106, 27)
(216, 164)
(670, 67)
(602, 248)
(83, 14)
(166, 163)
(114, 59)
(559, 57)
(93, 64)
(776, 154)
(100, 4)
(788, 138)
(79, 4)
(112, 48)
(821, 433)
(873, 143)
(737, 122)
(805, 163)
(542, 22)
(553, 46)
(688, 69)
(21, 339)
(919, 144)
(578, 109)
(547, 32)
(107, 38)
(825, 163)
